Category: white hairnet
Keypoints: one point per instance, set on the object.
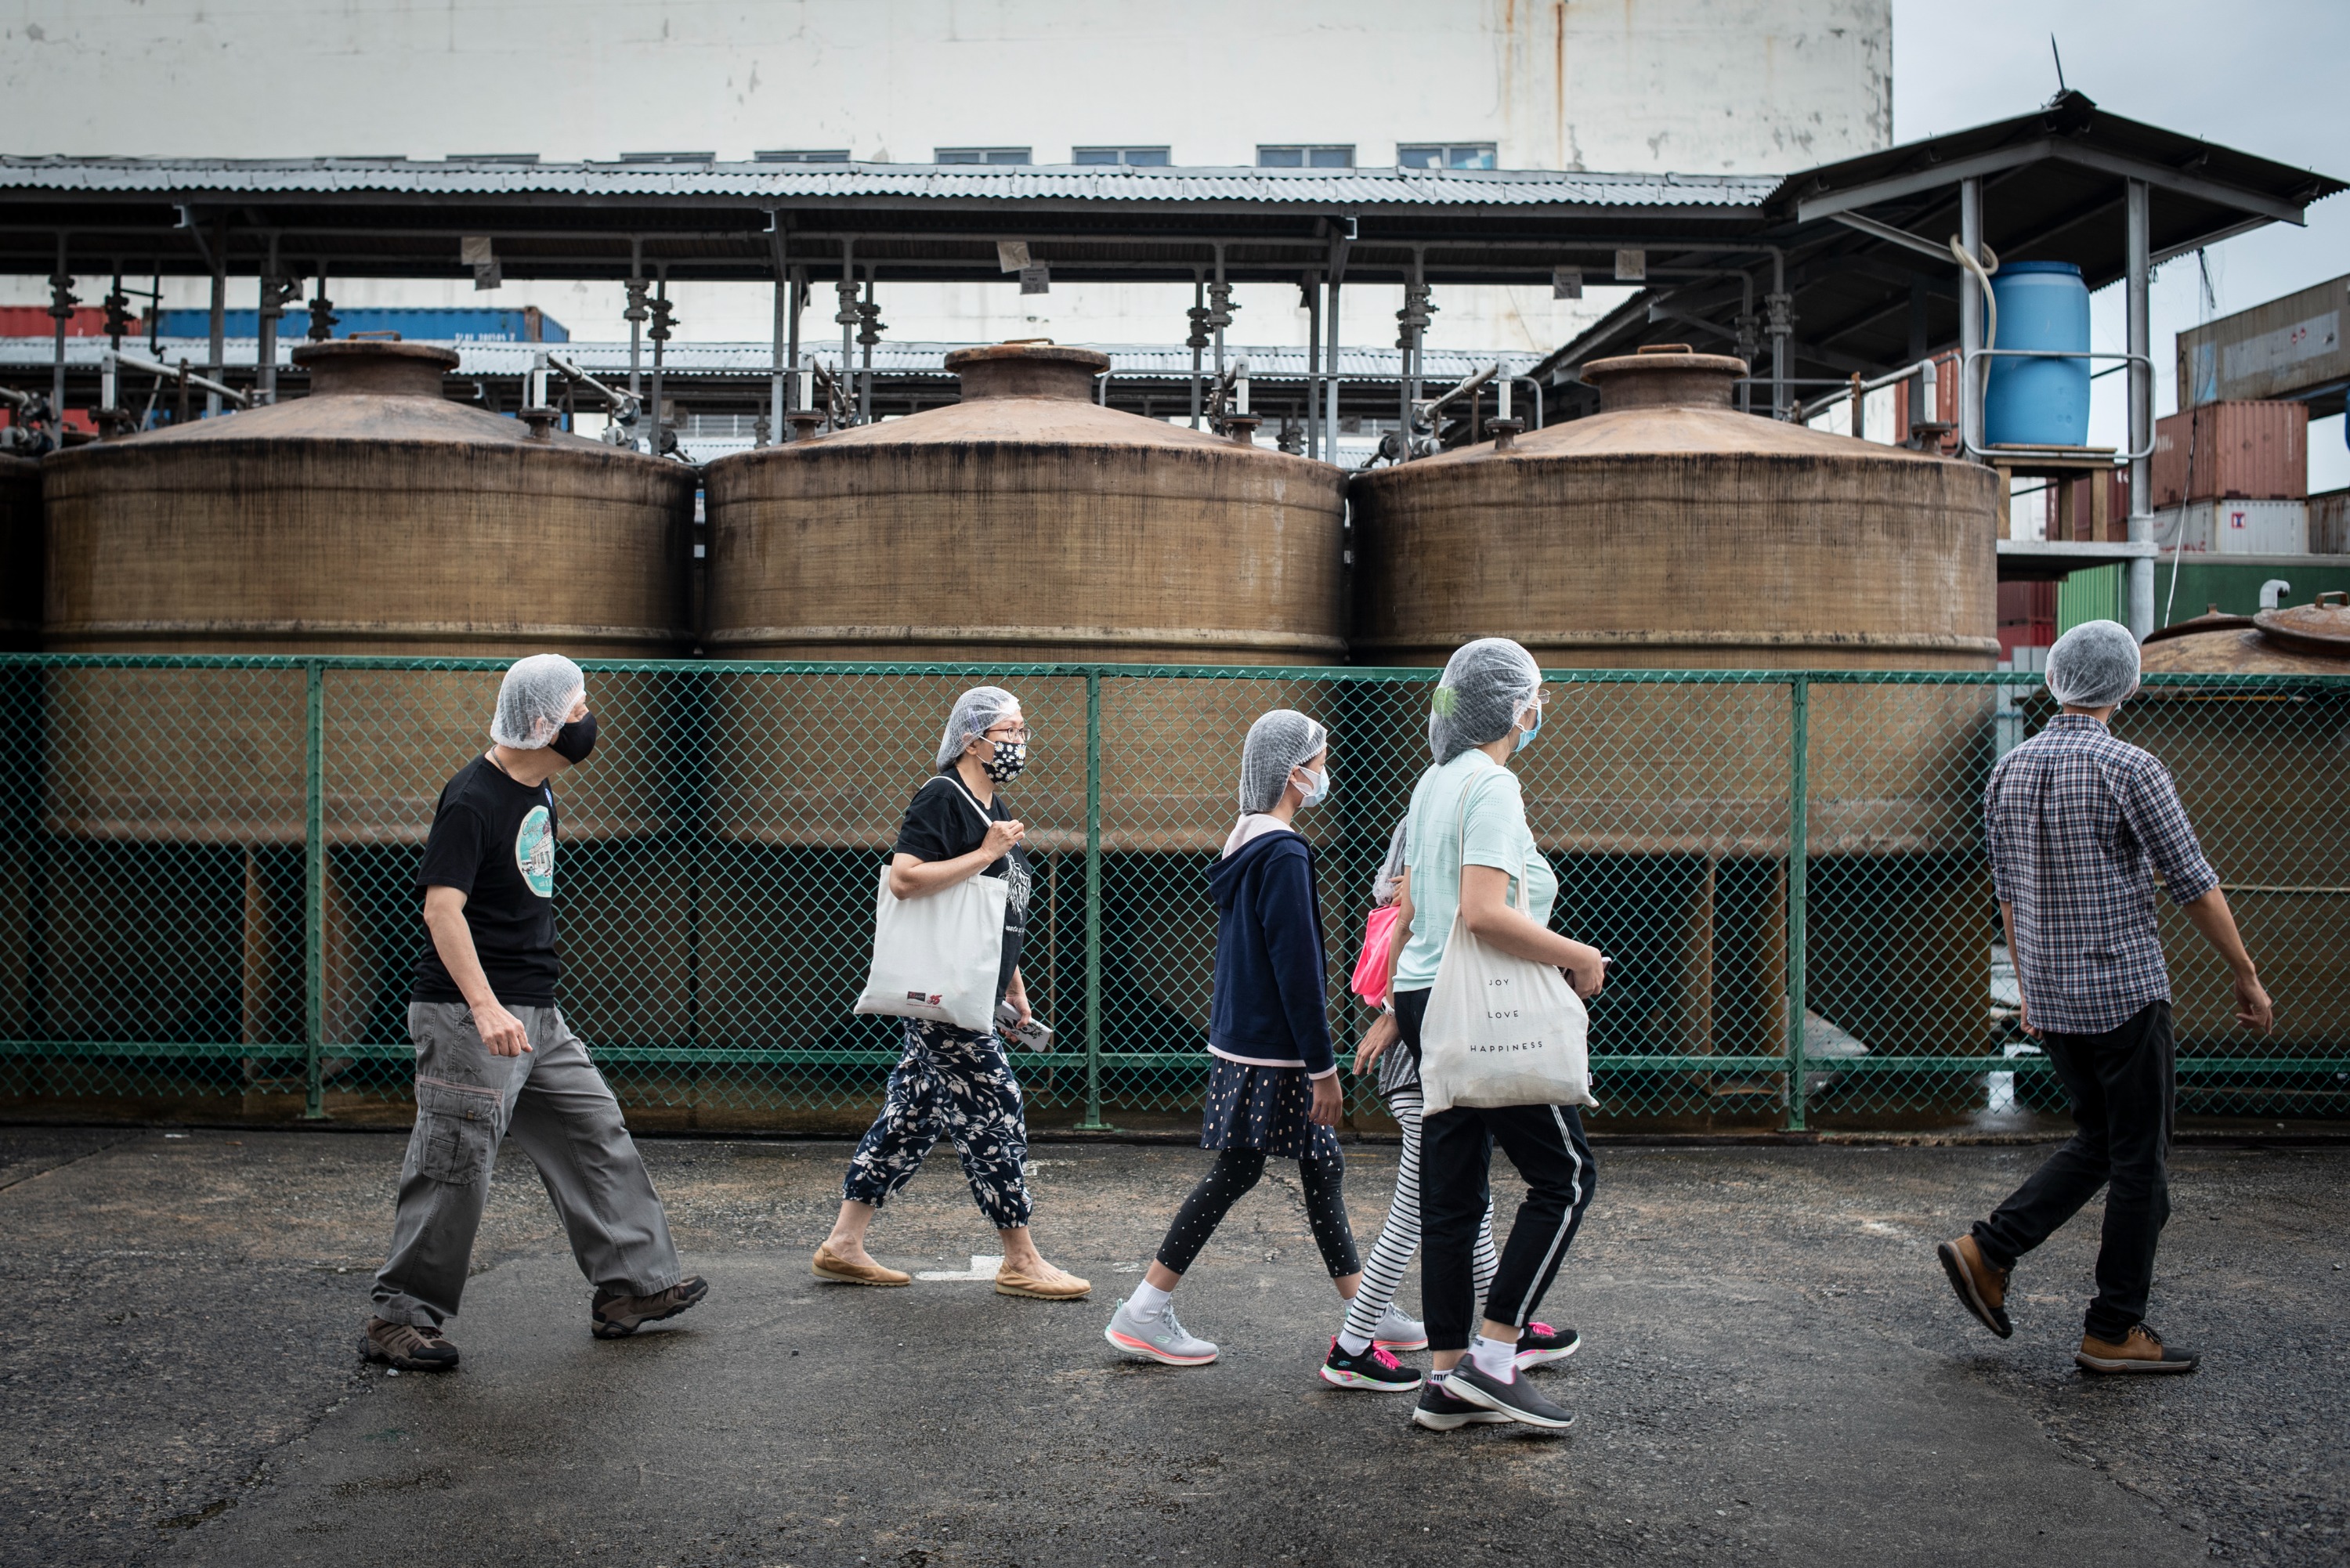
(535, 699)
(1276, 743)
(1391, 869)
(975, 711)
(2094, 664)
(1486, 685)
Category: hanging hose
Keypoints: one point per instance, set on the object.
(1991, 307)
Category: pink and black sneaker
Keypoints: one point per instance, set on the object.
(1539, 1345)
(1374, 1368)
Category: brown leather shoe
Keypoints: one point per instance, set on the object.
(2141, 1350)
(1051, 1285)
(1981, 1288)
(830, 1265)
(407, 1347)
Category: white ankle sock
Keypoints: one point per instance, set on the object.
(1352, 1344)
(1496, 1358)
(1147, 1300)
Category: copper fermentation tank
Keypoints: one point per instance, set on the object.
(1025, 523)
(1670, 530)
(2259, 773)
(374, 516)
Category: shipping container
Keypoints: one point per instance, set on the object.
(436, 323)
(2095, 508)
(2239, 451)
(2329, 523)
(2027, 617)
(35, 321)
(2234, 528)
(2286, 346)
(2232, 584)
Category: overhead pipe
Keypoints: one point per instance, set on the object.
(217, 390)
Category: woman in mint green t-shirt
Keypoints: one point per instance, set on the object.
(1468, 843)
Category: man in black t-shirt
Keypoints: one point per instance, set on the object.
(494, 1054)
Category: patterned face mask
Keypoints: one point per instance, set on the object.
(1010, 757)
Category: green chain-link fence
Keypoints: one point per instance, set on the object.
(207, 909)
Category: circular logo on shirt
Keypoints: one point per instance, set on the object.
(534, 852)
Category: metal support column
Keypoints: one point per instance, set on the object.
(1799, 805)
(216, 362)
(2140, 598)
(1339, 245)
(775, 374)
(61, 304)
(1093, 1120)
(1970, 312)
(1782, 323)
(1313, 291)
(314, 888)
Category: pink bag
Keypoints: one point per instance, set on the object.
(1371, 969)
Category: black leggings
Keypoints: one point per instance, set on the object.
(1322, 1174)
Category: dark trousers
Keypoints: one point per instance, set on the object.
(2120, 1085)
(1456, 1153)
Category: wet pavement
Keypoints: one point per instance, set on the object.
(1774, 1372)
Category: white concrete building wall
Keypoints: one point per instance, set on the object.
(1689, 85)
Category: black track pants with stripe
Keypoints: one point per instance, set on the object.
(1547, 1146)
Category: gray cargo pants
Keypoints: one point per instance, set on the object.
(556, 1105)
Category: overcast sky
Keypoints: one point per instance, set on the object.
(2267, 77)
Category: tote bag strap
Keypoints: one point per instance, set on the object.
(985, 821)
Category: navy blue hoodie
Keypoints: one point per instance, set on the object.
(1269, 1006)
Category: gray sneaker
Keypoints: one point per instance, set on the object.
(1160, 1339)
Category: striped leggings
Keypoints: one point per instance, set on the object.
(1383, 1271)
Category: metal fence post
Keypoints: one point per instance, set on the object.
(314, 885)
(1093, 1119)
(1799, 746)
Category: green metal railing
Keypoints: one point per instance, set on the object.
(207, 907)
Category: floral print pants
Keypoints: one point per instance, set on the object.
(958, 1083)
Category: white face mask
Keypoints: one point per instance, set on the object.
(1318, 789)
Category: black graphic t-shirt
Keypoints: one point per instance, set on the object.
(942, 824)
(494, 840)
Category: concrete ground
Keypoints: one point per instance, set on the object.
(1774, 1372)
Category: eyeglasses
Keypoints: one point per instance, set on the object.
(1018, 737)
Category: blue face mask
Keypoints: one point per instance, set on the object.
(1320, 791)
(1526, 736)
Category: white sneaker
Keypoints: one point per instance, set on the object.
(1160, 1338)
(1397, 1331)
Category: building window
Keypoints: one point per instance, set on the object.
(1132, 157)
(669, 157)
(800, 155)
(1445, 155)
(1306, 157)
(984, 155)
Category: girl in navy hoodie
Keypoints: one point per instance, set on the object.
(1273, 1089)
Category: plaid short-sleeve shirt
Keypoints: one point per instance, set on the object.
(2078, 823)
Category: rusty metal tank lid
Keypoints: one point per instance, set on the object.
(365, 389)
(2323, 627)
(2212, 620)
(1025, 393)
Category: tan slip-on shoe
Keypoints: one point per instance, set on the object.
(830, 1265)
(2141, 1350)
(1052, 1285)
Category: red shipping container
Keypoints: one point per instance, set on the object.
(2027, 617)
(2241, 451)
(35, 321)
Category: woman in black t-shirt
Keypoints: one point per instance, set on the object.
(950, 1080)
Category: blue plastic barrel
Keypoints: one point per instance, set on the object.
(2039, 403)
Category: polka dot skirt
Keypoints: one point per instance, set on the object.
(1258, 1107)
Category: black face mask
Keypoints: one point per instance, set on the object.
(575, 740)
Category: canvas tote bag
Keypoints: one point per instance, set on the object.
(938, 956)
(1501, 1031)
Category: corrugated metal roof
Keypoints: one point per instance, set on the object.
(607, 360)
(773, 182)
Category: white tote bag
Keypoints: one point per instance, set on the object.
(939, 955)
(1501, 1031)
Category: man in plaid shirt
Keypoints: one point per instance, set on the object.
(2077, 823)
